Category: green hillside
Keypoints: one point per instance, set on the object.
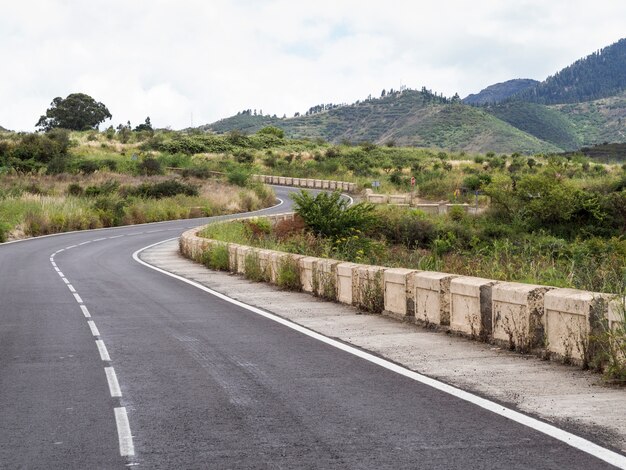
(598, 121)
(500, 91)
(599, 75)
(545, 123)
(418, 118)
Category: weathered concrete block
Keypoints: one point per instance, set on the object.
(242, 252)
(265, 262)
(310, 183)
(345, 186)
(432, 297)
(370, 288)
(345, 282)
(325, 278)
(399, 199)
(281, 180)
(317, 184)
(571, 316)
(325, 184)
(295, 181)
(332, 185)
(288, 180)
(232, 257)
(397, 291)
(518, 315)
(351, 187)
(377, 198)
(470, 306)
(307, 268)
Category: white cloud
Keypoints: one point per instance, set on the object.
(169, 59)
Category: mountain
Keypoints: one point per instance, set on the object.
(582, 105)
(500, 91)
(2, 129)
(599, 75)
(411, 117)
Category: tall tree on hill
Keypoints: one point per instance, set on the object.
(77, 112)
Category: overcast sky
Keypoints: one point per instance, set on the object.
(207, 59)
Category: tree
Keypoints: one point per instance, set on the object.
(77, 112)
(146, 126)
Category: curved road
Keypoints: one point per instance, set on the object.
(105, 363)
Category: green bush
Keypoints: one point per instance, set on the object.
(163, 189)
(238, 176)
(216, 258)
(329, 215)
(288, 275)
(253, 270)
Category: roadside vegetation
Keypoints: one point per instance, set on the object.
(585, 251)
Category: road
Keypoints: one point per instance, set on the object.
(105, 363)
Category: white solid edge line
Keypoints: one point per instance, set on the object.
(78, 299)
(93, 328)
(85, 311)
(568, 438)
(127, 448)
(102, 349)
(114, 385)
(66, 280)
(71, 288)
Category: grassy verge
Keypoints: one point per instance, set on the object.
(40, 205)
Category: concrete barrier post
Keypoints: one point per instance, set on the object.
(325, 279)
(470, 309)
(288, 180)
(281, 180)
(307, 266)
(370, 288)
(432, 298)
(242, 252)
(232, 257)
(571, 317)
(397, 291)
(345, 282)
(518, 315)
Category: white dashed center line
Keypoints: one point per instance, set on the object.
(93, 328)
(114, 386)
(125, 438)
(123, 431)
(102, 349)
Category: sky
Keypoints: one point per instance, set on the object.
(192, 62)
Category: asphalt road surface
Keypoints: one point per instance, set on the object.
(105, 363)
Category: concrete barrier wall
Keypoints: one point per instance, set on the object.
(307, 183)
(559, 322)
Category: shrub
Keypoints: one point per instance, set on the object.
(288, 275)
(216, 258)
(253, 270)
(163, 189)
(328, 214)
(75, 189)
(150, 166)
(106, 188)
(88, 166)
(238, 176)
